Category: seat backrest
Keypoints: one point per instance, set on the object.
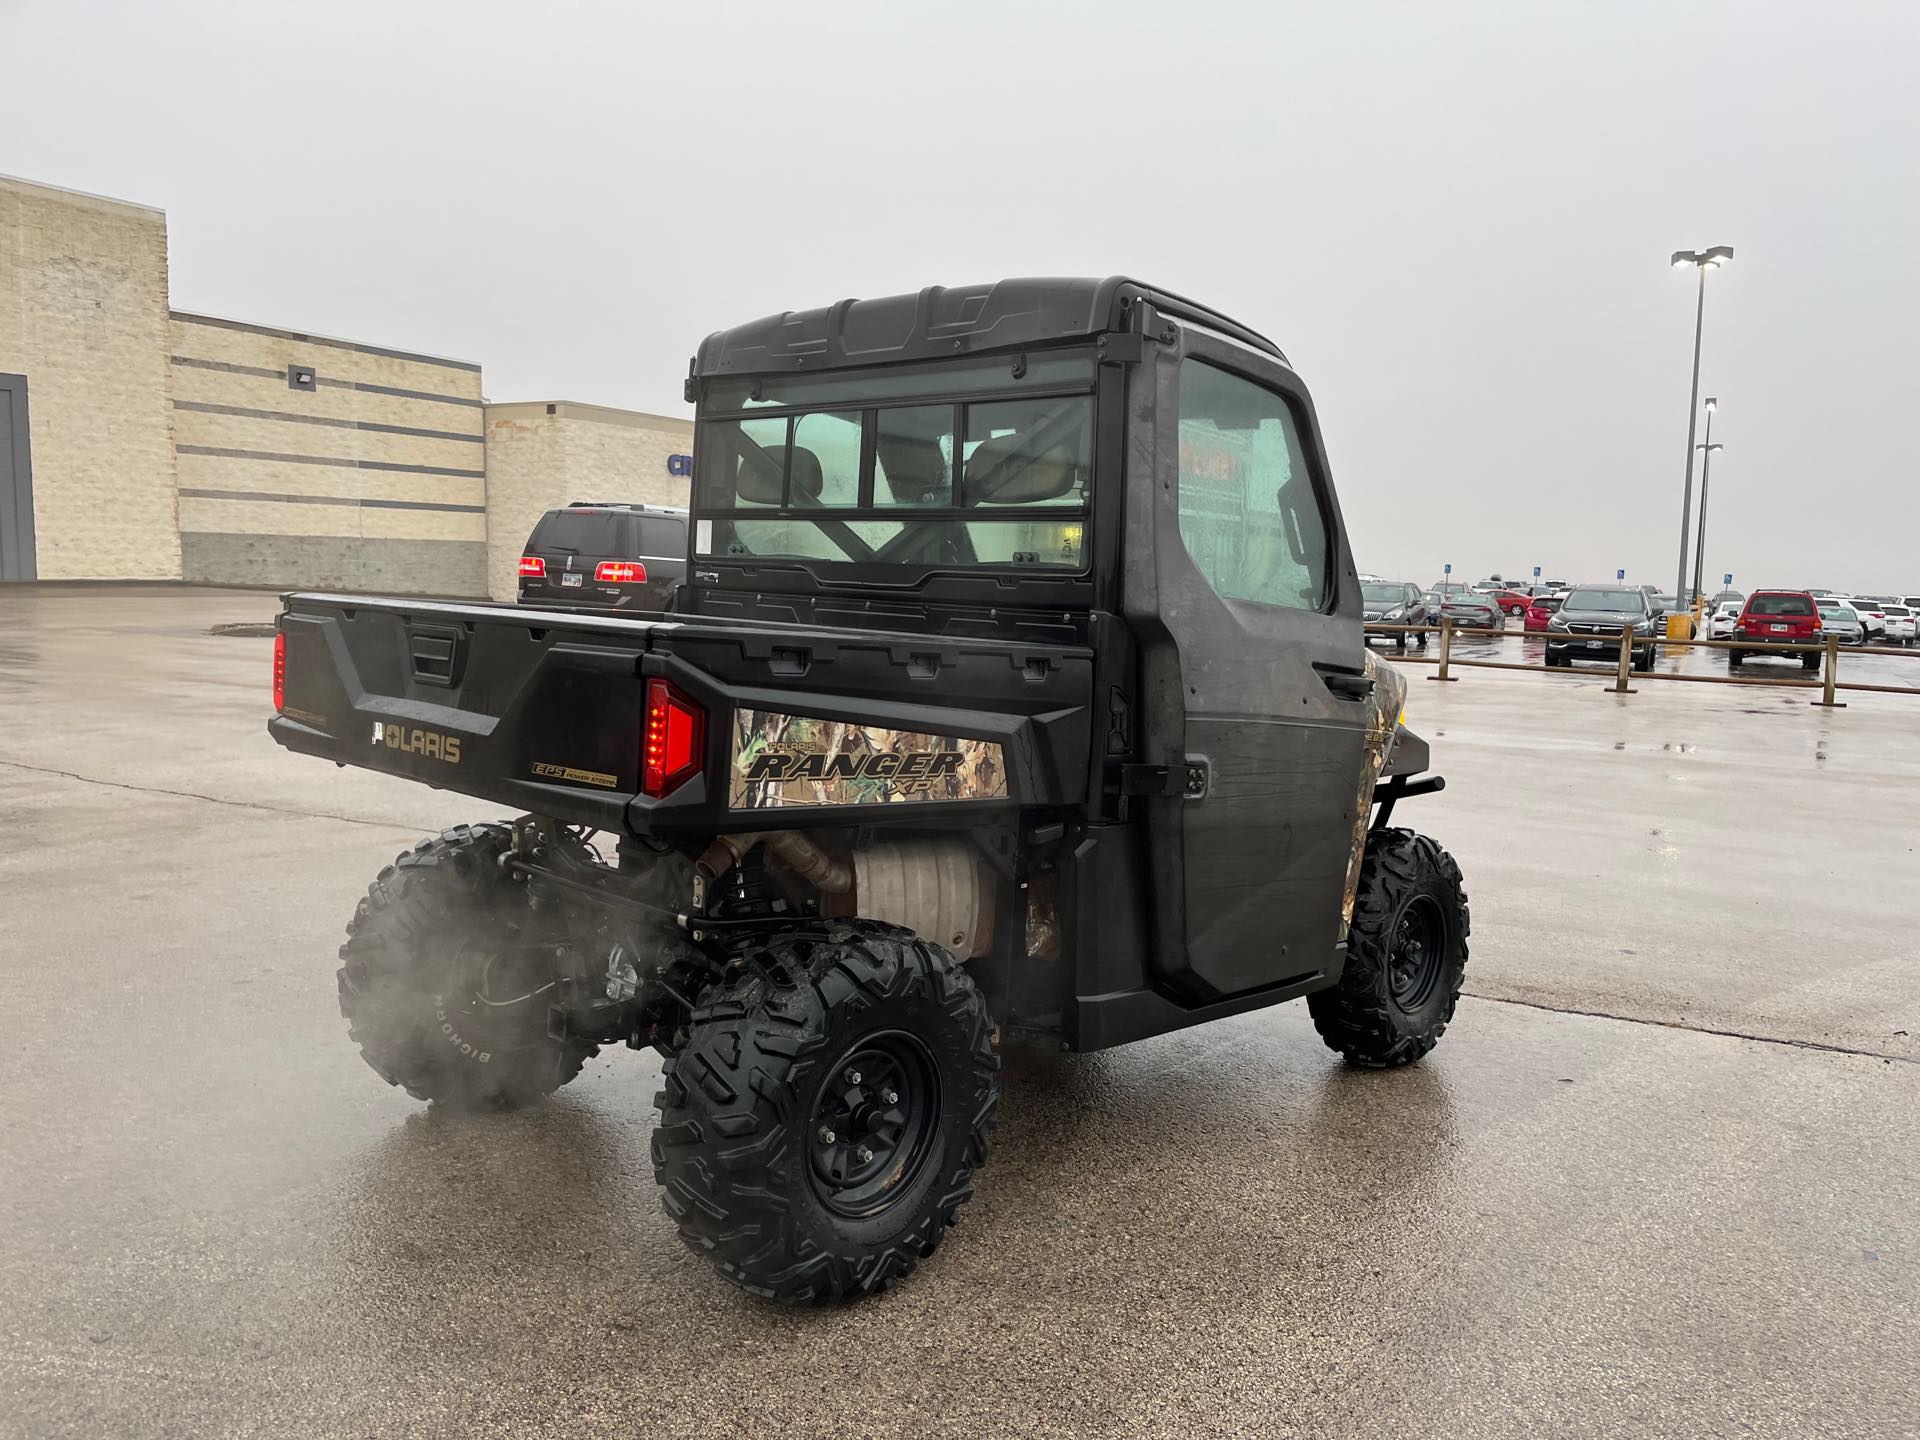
(1006, 471)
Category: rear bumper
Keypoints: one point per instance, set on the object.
(1740, 637)
(587, 597)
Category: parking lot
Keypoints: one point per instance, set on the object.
(1659, 1178)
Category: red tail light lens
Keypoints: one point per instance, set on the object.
(532, 567)
(620, 572)
(675, 739)
(279, 671)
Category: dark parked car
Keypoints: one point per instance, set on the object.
(1396, 602)
(1479, 612)
(605, 557)
(1588, 624)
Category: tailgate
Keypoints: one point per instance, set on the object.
(539, 710)
(544, 711)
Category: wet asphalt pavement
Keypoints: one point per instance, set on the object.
(1659, 1179)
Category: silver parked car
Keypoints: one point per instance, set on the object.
(1841, 619)
(1473, 611)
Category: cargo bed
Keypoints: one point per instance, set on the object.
(546, 710)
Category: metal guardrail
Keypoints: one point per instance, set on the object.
(1829, 683)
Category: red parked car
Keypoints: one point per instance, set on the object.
(1511, 602)
(1540, 610)
(1778, 617)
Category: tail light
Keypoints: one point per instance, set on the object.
(675, 739)
(532, 567)
(279, 671)
(620, 572)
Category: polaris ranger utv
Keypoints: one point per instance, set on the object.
(1017, 688)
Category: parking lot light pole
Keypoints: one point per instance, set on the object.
(1703, 261)
(1706, 449)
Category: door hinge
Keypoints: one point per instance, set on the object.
(1143, 779)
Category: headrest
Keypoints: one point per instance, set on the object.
(1003, 471)
(758, 479)
(806, 473)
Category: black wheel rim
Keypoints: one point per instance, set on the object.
(1418, 954)
(873, 1124)
(497, 992)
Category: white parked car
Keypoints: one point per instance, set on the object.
(1725, 616)
(1900, 624)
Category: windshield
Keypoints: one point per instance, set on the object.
(881, 468)
(1607, 600)
(1384, 594)
(1838, 612)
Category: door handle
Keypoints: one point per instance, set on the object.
(1346, 684)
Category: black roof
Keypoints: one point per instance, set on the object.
(636, 507)
(942, 321)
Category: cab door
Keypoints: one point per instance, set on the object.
(1253, 669)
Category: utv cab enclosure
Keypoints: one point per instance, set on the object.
(1017, 688)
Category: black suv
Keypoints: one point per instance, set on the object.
(608, 557)
(1588, 623)
(1396, 602)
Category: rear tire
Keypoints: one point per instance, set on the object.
(782, 1159)
(1406, 955)
(429, 946)
(1734, 657)
(1810, 662)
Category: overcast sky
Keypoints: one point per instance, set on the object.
(1454, 217)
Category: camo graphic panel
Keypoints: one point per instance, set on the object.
(1389, 697)
(779, 760)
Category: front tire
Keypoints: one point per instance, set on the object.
(820, 1128)
(444, 980)
(1406, 955)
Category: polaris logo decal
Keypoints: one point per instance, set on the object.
(782, 760)
(415, 741)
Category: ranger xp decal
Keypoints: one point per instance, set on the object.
(781, 759)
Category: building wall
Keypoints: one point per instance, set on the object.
(544, 455)
(373, 478)
(83, 315)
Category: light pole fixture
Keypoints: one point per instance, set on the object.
(1703, 261)
(1706, 450)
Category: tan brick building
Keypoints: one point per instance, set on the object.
(138, 442)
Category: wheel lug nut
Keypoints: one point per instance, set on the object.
(853, 1077)
(866, 1155)
(891, 1097)
(826, 1135)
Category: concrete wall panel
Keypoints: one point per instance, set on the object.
(83, 315)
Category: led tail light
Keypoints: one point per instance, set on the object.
(620, 572)
(532, 567)
(279, 671)
(675, 739)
